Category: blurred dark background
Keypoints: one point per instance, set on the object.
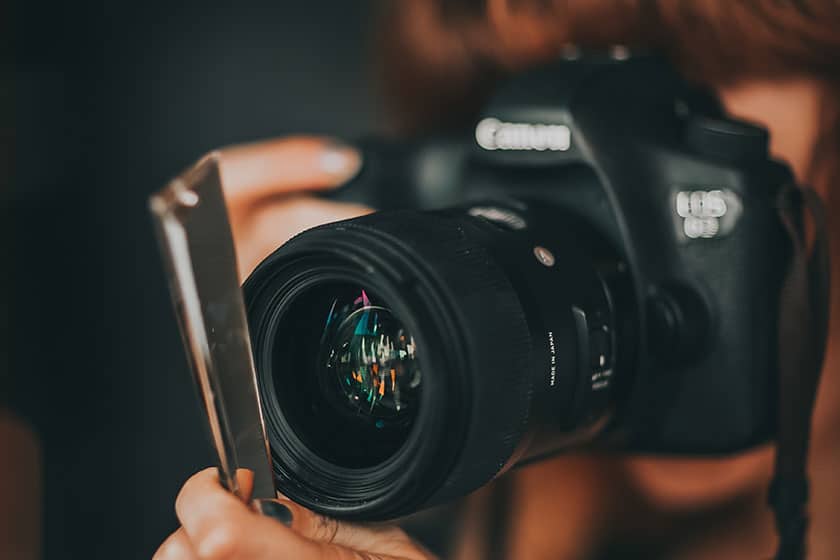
(109, 102)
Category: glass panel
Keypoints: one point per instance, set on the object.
(198, 251)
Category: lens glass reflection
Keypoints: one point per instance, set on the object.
(346, 374)
(371, 358)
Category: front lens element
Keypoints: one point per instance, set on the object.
(370, 359)
(346, 374)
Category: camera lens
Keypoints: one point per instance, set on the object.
(369, 361)
(405, 358)
(345, 373)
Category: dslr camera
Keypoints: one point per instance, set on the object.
(597, 263)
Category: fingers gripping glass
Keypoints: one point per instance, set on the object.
(198, 252)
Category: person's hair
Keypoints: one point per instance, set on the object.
(439, 58)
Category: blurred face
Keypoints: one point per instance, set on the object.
(790, 111)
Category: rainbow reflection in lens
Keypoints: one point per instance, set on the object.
(372, 358)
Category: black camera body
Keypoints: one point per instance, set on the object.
(600, 260)
(687, 196)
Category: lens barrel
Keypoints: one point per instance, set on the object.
(406, 358)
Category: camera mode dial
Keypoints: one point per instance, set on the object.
(726, 139)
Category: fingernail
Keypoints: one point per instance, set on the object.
(341, 160)
(277, 511)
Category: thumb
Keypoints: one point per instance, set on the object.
(386, 541)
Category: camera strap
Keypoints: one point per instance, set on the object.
(803, 330)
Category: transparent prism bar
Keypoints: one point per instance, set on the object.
(200, 260)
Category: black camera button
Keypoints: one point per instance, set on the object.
(678, 324)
